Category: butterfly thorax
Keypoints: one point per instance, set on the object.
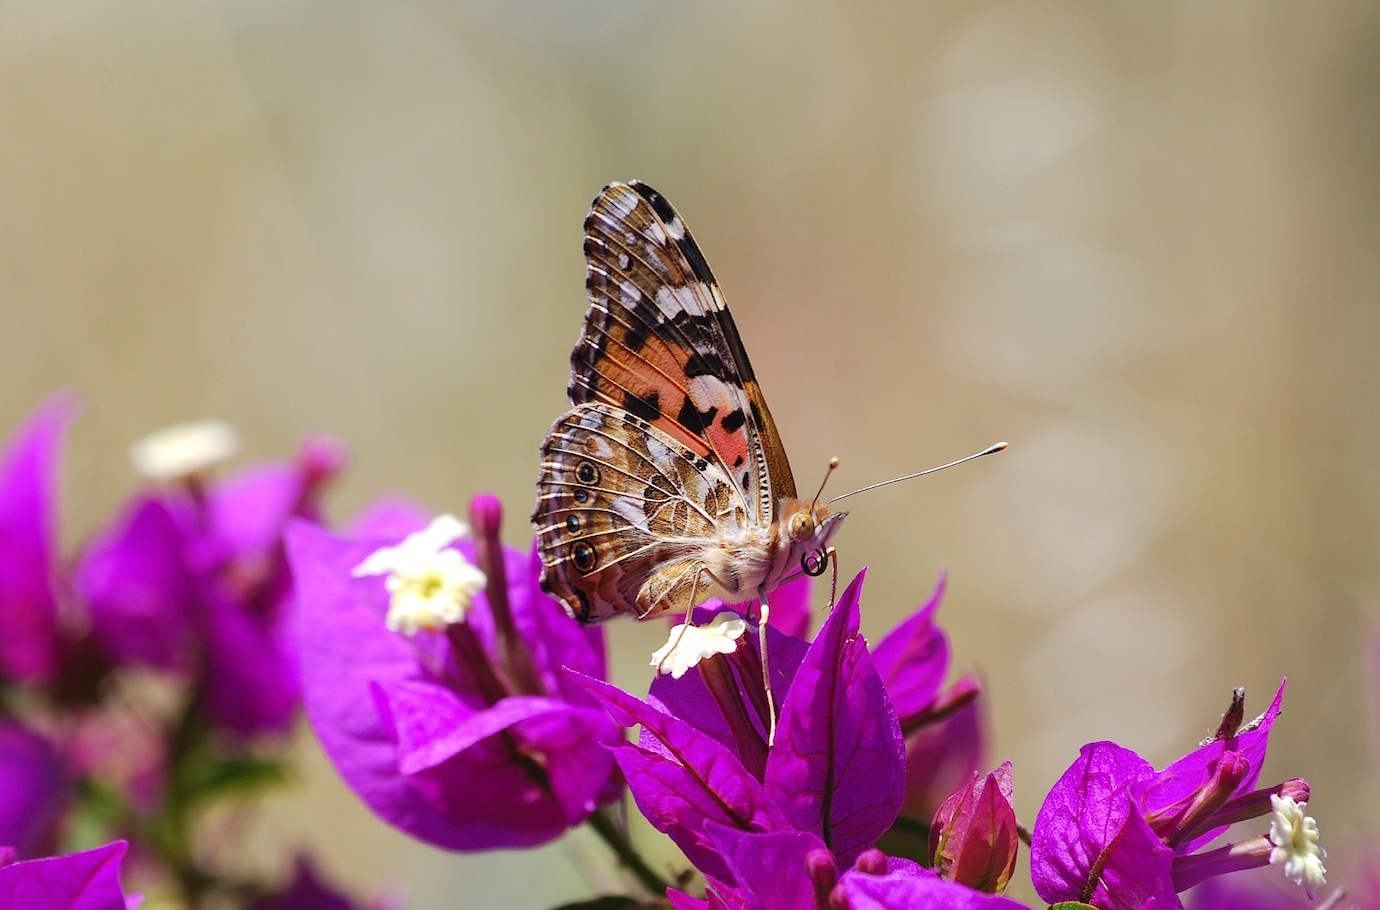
(743, 561)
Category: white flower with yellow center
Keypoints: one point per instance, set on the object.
(688, 645)
(183, 449)
(430, 584)
(1295, 837)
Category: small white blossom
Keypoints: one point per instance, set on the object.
(1295, 837)
(430, 584)
(688, 645)
(185, 448)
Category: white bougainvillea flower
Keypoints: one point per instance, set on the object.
(183, 449)
(1295, 836)
(430, 583)
(688, 645)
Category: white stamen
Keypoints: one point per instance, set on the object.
(186, 448)
(430, 584)
(1295, 837)
(688, 645)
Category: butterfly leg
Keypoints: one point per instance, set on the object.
(766, 676)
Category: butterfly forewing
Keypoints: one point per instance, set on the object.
(660, 343)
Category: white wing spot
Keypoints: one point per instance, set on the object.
(676, 229)
(677, 300)
(632, 513)
(624, 260)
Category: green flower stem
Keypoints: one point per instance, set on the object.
(627, 855)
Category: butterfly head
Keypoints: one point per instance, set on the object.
(809, 527)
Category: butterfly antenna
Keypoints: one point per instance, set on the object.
(995, 447)
(833, 466)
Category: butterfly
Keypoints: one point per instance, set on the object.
(666, 483)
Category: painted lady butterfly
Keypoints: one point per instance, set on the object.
(666, 483)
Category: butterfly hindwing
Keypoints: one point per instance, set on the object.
(623, 511)
(659, 343)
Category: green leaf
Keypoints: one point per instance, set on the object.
(239, 775)
(1071, 905)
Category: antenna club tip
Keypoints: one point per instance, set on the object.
(997, 447)
(834, 462)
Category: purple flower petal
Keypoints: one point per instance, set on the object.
(251, 680)
(838, 766)
(691, 781)
(79, 881)
(769, 867)
(434, 725)
(1081, 816)
(917, 890)
(250, 509)
(388, 517)
(679, 900)
(31, 787)
(28, 609)
(914, 658)
(1185, 776)
(142, 599)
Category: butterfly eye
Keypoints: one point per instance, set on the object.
(802, 526)
(587, 473)
(814, 563)
(584, 557)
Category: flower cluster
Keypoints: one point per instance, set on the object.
(465, 708)
(431, 656)
(153, 673)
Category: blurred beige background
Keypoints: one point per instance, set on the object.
(1139, 241)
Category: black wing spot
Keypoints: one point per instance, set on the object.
(587, 473)
(738, 462)
(584, 557)
(693, 419)
(647, 407)
(733, 421)
(702, 364)
(572, 523)
(701, 465)
(637, 337)
(582, 495)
